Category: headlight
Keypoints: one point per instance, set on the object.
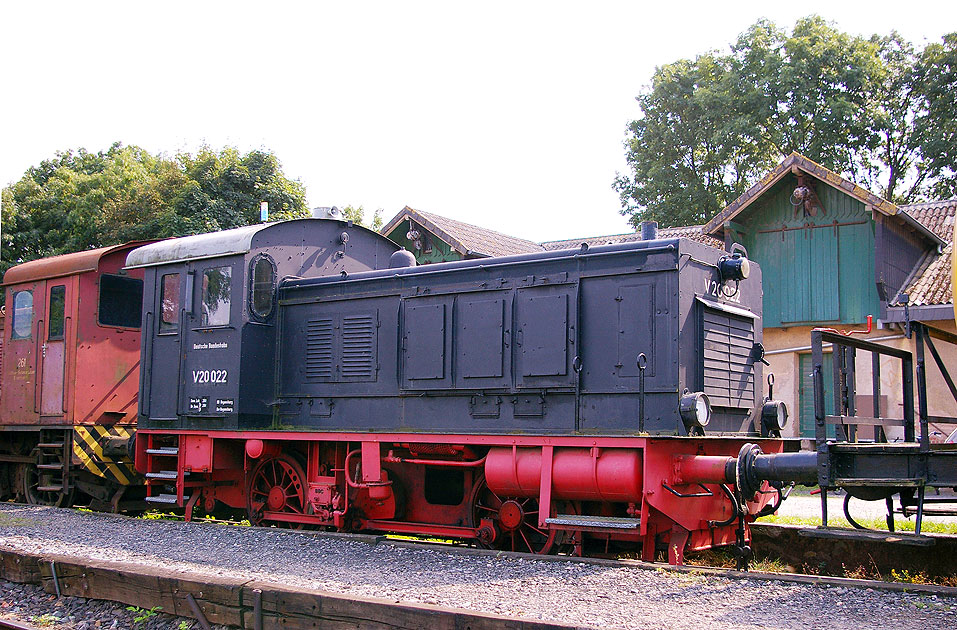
(695, 409)
(774, 414)
(734, 267)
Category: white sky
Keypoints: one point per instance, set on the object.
(509, 115)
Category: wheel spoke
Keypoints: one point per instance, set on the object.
(536, 529)
(528, 545)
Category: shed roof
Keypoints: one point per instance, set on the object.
(690, 231)
(930, 283)
(63, 265)
(465, 238)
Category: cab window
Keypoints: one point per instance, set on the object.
(215, 297)
(22, 324)
(121, 301)
(57, 312)
(263, 283)
(169, 304)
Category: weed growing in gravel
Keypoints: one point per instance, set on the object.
(159, 516)
(724, 559)
(184, 625)
(45, 620)
(910, 578)
(872, 573)
(141, 615)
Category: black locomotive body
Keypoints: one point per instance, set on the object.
(600, 341)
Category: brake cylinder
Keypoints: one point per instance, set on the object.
(579, 474)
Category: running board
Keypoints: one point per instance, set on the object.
(575, 522)
(169, 499)
(163, 474)
(165, 450)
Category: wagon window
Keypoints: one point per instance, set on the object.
(121, 301)
(169, 304)
(263, 282)
(216, 296)
(57, 308)
(22, 323)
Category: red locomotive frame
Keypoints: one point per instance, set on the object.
(673, 487)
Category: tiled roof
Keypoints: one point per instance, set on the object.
(691, 231)
(467, 239)
(930, 283)
(937, 216)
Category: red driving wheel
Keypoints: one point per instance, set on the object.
(516, 520)
(276, 484)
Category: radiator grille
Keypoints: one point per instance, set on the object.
(358, 348)
(341, 348)
(319, 362)
(727, 357)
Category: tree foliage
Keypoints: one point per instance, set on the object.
(80, 200)
(357, 215)
(872, 109)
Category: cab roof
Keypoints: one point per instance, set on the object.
(210, 245)
(63, 265)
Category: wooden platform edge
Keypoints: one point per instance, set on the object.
(229, 601)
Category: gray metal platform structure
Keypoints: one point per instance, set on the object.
(879, 469)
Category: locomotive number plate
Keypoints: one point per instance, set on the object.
(216, 377)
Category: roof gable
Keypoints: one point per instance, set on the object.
(793, 164)
(465, 238)
(797, 163)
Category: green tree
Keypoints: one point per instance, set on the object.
(357, 215)
(866, 108)
(80, 200)
(224, 190)
(689, 153)
(936, 125)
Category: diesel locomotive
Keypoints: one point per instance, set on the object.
(309, 373)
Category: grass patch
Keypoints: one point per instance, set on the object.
(8, 520)
(900, 525)
(722, 558)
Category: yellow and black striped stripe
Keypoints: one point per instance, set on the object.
(88, 443)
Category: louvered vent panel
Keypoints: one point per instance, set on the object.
(358, 348)
(728, 367)
(319, 339)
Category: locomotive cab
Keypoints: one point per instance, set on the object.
(210, 319)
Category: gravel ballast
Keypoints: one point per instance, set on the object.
(585, 595)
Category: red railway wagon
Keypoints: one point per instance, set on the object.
(70, 365)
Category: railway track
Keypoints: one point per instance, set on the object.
(794, 550)
(144, 563)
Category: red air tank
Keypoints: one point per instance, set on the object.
(581, 474)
